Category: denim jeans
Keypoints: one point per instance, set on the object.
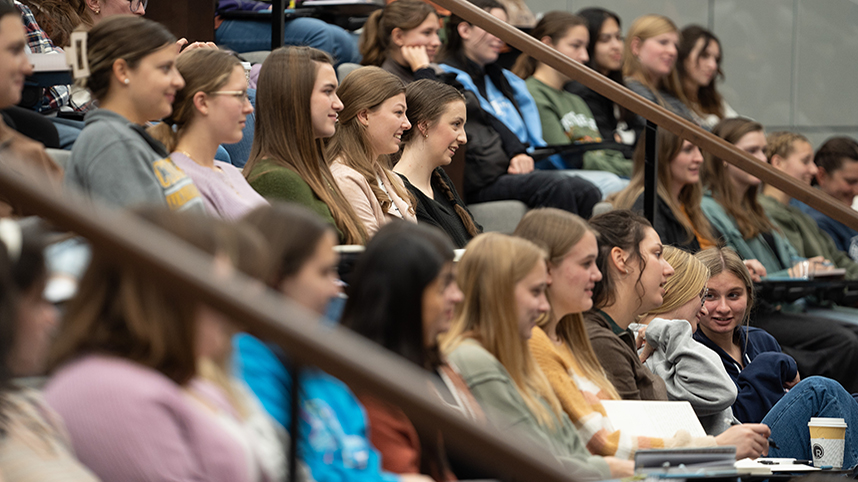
(812, 397)
(253, 35)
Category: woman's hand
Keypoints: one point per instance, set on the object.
(416, 56)
(183, 44)
(757, 270)
(520, 164)
(751, 439)
(620, 468)
(793, 382)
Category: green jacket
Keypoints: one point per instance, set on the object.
(276, 182)
(805, 236)
(504, 407)
(566, 118)
(777, 262)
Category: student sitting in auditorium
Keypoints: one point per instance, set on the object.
(335, 439)
(34, 444)
(837, 175)
(128, 379)
(649, 66)
(369, 129)
(769, 384)
(679, 221)
(605, 56)
(297, 110)
(18, 152)
(699, 68)
(560, 344)
(403, 39)
(437, 115)
(792, 154)
(132, 64)
(208, 111)
(504, 280)
(565, 117)
(403, 295)
(503, 123)
(731, 204)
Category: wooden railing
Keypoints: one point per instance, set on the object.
(652, 112)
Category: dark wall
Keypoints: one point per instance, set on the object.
(192, 19)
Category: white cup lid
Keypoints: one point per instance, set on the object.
(827, 422)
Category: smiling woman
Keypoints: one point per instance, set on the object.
(210, 110)
(370, 129)
(132, 63)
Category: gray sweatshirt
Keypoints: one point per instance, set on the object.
(692, 372)
(116, 162)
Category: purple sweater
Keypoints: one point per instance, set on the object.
(131, 423)
(226, 194)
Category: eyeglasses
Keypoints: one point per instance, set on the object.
(136, 4)
(238, 94)
(702, 296)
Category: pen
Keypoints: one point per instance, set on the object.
(773, 445)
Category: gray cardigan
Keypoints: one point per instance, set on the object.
(692, 372)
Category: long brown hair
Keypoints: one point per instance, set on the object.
(642, 29)
(59, 18)
(427, 100)
(119, 310)
(204, 70)
(405, 15)
(557, 231)
(366, 89)
(554, 25)
(709, 100)
(669, 146)
(749, 215)
(284, 133)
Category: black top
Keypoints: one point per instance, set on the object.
(441, 212)
(669, 229)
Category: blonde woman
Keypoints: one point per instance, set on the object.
(691, 371)
(649, 65)
(370, 128)
(504, 280)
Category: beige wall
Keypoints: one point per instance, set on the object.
(790, 64)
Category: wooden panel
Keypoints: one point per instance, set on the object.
(191, 19)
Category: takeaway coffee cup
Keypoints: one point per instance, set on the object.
(827, 441)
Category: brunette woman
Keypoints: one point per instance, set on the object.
(334, 439)
(699, 68)
(402, 297)
(402, 39)
(210, 110)
(680, 221)
(503, 123)
(649, 65)
(437, 114)
(605, 56)
(370, 129)
(34, 444)
(132, 64)
(504, 281)
(298, 106)
(565, 117)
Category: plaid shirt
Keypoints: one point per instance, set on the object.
(39, 43)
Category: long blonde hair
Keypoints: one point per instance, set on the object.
(366, 89)
(488, 272)
(557, 232)
(688, 281)
(644, 28)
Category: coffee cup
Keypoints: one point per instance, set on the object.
(827, 441)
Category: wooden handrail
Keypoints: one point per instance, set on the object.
(360, 363)
(665, 119)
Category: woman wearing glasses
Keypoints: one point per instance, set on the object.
(210, 110)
